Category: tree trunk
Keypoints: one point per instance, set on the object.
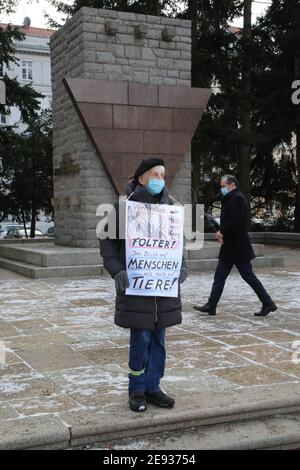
(33, 205)
(245, 114)
(33, 220)
(24, 223)
(195, 154)
(195, 151)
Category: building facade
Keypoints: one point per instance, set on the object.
(32, 67)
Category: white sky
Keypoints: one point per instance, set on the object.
(35, 10)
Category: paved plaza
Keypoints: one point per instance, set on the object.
(67, 361)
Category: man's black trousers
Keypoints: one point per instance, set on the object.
(245, 269)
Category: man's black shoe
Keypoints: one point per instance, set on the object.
(160, 399)
(266, 308)
(207, 308)
(137, 401)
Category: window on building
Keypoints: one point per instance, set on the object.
(27, 70)
(3, 119)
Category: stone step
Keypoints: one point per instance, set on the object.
(36, 272)
(210, 264)
(50, 255)
(39, 272)
(280, 432)
(238, 421)
(235, 418)
(232, 420)
(211, 251)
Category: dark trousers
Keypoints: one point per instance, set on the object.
(147, 357)
(246, 271)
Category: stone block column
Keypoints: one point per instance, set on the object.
(101, 44)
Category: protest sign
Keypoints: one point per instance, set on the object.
(154, 248)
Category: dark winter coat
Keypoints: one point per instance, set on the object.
(132, 311)
(234, 215)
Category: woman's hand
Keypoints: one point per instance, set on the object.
(184, 272)
(121, 281)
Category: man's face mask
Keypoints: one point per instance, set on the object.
(224, 191)
(155, 186)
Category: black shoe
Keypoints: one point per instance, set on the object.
(137, 401)
(266, 308)
(207, 308)
(160, 399)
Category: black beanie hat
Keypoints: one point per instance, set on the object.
(147, 164)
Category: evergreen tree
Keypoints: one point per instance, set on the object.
(216, 64)
(26, 171)
(147, 7)
(242, 127)
(277, 118)
(23, 189)
(24, 97)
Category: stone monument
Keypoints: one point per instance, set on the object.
(121, 92)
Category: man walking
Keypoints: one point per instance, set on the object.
(235, 249)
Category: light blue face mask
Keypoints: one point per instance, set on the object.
(155, 186)
(224, 190)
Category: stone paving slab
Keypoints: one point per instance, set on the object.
(43, 431)
(67, 361)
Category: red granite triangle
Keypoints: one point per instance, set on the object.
(128, 122)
